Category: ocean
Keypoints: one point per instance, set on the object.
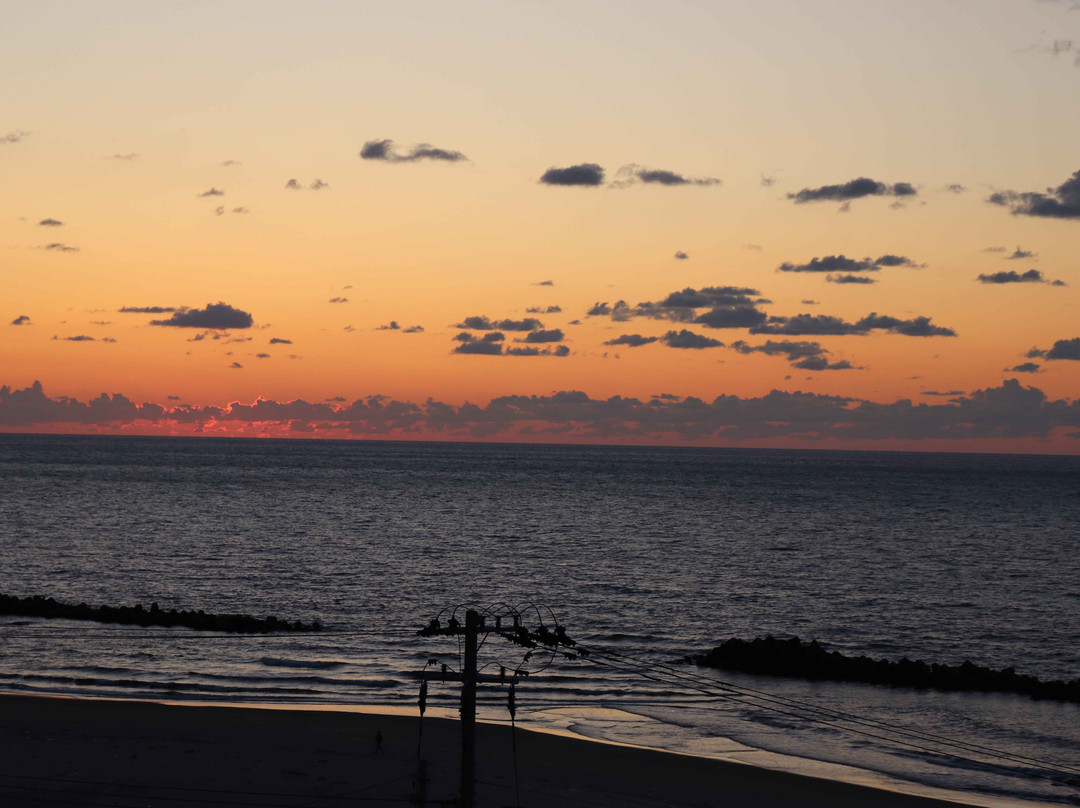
(644, 555)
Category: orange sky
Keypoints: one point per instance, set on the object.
(146, 157)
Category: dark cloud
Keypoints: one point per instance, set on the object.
(754, 247)
(215, 316)
(680, 255)
(631, 174)
(841, 263)
(296, 185)
(481, 323)
(386, 151)
(79, 338)
(1011, 276)
(392, 326)
(767, 181)
(14, 136)
(22, 319)
(850, 279)
(589, 174)
(280, 341)
(338, 300)
(127, 158)
(688, 339)
(147, 309)
(1025, 367)
(1009, 411)
(212, 192)
(810, 302)
(543, 310)
(995, 249)
(1063, 349)
(173, 398)
(50, 223)
(854, 189)
(241, 210)
(235, 366)
(488, 345)
(632, 340)
(57, 246)
(544, 283)
(229, 163)
(955, 188)
(1020, 255)
(943, 393)
(729, 307)
(413, 329)
(824, 324)
(262, 356)
(803, 355)
(540, 336)
(1062, 202)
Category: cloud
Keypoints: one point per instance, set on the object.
(544, 283)
(490, 344)
(1009, 411)
(216, 316)
(802, 355)
(147, 309)
(955, 188)
(841, 263)
(587, 174)
(127, 158)
(14, 136)
(262, 356)
(631, 174)
(688, 339)
(544, 310)
(338, 300)
(728, 307)
(1011, 276)
(393, 326)
(212, 192)
(1020, 255)
(632, 340)
(481, 323)
(680, 255)
(1063, 349)
(850, 279)
(413, 329)
(1025, 367)
(385, 151)
(57, 246)
(995, 249)
(295, 185)
(810, 302)
(229, 163)
(79, 338)
(235, 366)
(767, 181)
(754, 247)
(853, 189)
(824, 324)
(1062, 202)
(551, 335)
(50, 223)
(241, 210)
(22, 319)
(280, 341)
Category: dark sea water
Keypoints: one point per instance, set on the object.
(643, 554)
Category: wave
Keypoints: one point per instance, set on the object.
(313, 664)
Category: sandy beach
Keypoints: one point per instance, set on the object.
(67, 752)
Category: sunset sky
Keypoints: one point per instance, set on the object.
(791, 223)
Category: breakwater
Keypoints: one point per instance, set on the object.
(40, 606)
(794, 658)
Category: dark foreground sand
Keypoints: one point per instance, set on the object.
(71, 752)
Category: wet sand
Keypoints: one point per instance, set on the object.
(67, 752)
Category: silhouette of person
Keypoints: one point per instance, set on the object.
(378, 743)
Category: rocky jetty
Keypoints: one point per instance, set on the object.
(796, 659)
(39, 606)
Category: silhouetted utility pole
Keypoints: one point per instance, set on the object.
(540, 638)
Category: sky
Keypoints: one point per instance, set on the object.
(791, 223)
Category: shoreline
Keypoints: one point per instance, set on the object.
(170, 753)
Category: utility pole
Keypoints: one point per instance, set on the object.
(468, 711)
(539, 639)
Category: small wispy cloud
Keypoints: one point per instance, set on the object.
(50, 223)
(212, 192)
(384, 150)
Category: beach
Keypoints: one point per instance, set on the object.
(65, 751)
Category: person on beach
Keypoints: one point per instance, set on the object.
(378, 743)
